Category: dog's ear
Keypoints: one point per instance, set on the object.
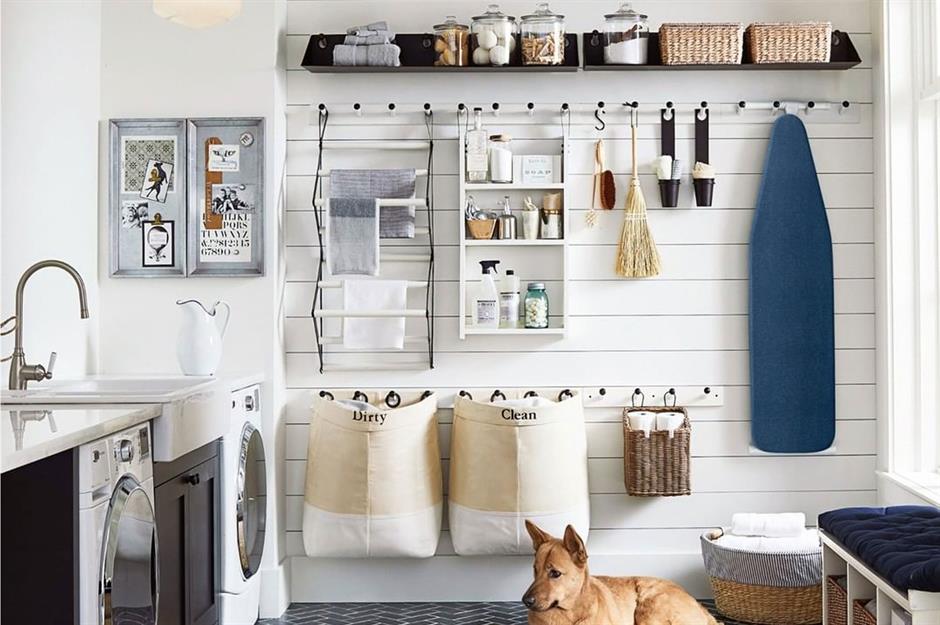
(538, 536)
(575, 546)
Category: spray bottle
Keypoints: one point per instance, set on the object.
(486, 304)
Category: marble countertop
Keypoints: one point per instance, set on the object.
(33, 432)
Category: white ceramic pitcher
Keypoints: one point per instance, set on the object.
(199, 345)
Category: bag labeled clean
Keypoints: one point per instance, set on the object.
(515, 460)
(374, 485)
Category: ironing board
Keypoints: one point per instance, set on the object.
(792, 344)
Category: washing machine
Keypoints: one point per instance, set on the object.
(118, 563)
(244, 509)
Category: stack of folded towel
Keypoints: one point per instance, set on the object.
(370, 45)
(770, 533)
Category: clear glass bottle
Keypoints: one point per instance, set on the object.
(543, 37)
(626, 37)
(451, 43)
(477, 161)
(493, 37)
(536, 306)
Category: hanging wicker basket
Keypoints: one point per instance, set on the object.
(786, 42)
(657, 465)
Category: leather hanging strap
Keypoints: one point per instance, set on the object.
(210, 220)
(701, 135)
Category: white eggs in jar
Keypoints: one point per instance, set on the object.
(486, 39)
(512, 44)
(481, 57)
(499, 55)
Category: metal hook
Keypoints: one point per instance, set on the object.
(360, 396)
(357, 109)
(530, 394)
(669, 112)
(391, 109)
(530, 107)
(845, 106)
(327, 395)
(636, 392)
(393, 399)
(495, 109)
(497, 393)
(465, 394)
(565, 394)
(426, 394)
(597, 116)
(427, 109)
(702, 113)
(672, 392)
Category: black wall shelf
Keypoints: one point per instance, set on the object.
(417, 55)
(843, 56)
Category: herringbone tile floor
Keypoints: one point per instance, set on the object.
(408, 614)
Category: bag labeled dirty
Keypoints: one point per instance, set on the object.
(373, 480)
(514, 460)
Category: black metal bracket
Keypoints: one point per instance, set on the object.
(701, 133)
(667, 125)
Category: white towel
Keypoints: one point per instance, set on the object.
(783, 525)
(807, 540)
(374, 332)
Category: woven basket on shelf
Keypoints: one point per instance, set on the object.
(788, 42)
(701, 44)
(656, 465)
(481, 228)
(765, 588)
(861, 616)
(837, 608)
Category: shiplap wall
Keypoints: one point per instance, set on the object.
(686, 327)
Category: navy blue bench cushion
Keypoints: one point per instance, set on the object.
(900, 543)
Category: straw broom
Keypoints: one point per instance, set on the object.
(638, 256)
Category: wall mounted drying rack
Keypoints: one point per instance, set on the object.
(317, 312)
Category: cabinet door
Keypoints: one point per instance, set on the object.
(171, 499)
(203, 539)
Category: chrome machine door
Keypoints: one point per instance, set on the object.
(128, 592)
(251, 502)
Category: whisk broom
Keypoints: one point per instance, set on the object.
(637, 256)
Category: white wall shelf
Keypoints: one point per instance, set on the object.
(551, 255)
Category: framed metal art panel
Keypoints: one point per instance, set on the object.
(147, 187)
(226, 196)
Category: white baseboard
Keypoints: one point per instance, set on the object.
(457, 578)
(275, 589)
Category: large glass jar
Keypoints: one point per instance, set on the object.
(626, 37)
(543, 37)
(451, 43)
(536, 306)
(493, 37)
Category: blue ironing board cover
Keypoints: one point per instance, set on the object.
(792, 344)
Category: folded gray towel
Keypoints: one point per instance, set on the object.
(379, 55)
(369, 38)
(352, 237)
(395, 222)
(373, 26)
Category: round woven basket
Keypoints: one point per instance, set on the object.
(768, 605)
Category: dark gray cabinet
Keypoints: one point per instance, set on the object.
(188, 496)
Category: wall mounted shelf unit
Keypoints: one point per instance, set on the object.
(533, 260)
(417, 55)
(843, 56)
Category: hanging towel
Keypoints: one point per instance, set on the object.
(783, 525)
(374, 332)
(395, 222)
(352, 237)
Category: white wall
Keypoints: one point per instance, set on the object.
(686, 327)
(154, 68)
(50, 106)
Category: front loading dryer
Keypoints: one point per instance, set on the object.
(244, 509)
(118, 558)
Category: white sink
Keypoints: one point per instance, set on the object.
(195, 410)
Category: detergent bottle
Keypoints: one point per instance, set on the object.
(486, 304)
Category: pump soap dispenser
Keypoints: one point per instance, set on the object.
(486, 304)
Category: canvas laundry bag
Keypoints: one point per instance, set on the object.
(373, 480)
(515, 460)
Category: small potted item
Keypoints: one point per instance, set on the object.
(551, 216)
(536, 306)
(668, 171)
(626, 37)
(703, 179)
(543, 37)
(480, 224)
(530, 219)
(493, 37)
(451, 43)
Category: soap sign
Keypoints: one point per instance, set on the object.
(538, 169)
(229, 244)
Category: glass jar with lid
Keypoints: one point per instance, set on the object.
(493, 37)
(451, 43)
(536, 306)
(626, 37)
(543, 37)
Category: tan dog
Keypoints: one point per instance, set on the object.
(564, 593)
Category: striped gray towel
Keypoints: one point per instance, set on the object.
(352, 237)
(395, 222)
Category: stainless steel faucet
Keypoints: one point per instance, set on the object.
(20, 372)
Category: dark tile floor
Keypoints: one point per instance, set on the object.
(408, 614)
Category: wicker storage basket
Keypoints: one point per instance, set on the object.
(861, 616)
(481, 228)
(764, 588)
(782, 42)
(837, 608)
(656, 465)
(701, 44)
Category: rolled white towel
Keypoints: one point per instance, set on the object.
(808, 540)
(783, 525)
